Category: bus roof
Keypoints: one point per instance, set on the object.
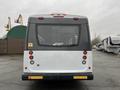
(58, 18)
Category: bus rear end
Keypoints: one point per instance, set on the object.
(57, 48)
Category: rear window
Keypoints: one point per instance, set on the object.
(58, 35)
(115, 41)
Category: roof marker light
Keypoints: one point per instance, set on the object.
(75, 18)
(40, 18)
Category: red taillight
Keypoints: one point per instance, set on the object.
(30, 52)
(41, 18)
(84, 52)
(84, 57)
(30, 57)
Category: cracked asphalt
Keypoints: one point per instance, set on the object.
(106, 72)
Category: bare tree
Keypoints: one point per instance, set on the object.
(96, 40)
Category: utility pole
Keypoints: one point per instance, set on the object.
(8, 26)
(19, 20)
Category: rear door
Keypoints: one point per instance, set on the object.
(57, 48)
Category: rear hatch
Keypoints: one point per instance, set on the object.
(58, 48)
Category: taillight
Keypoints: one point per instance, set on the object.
(30, 57)
(30, 52)
(84, 52)
(84, 57)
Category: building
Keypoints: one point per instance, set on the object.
(14, 41)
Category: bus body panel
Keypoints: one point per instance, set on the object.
(57, 62)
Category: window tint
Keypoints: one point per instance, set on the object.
(58, 35)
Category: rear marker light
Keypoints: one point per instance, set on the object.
(84, 57)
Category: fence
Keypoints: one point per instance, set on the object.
(11, 46)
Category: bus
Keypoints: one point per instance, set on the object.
(112, 44)
(57, 47)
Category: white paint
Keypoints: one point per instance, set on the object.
(57, 62)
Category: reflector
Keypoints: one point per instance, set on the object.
(30, 45)
(79, 77)
(35, 77)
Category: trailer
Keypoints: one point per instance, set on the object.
(112, 44)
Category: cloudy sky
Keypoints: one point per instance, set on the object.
(104, 15)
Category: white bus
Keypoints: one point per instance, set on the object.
(58, 47)
(112, 44)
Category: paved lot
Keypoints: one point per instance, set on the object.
(106, 71)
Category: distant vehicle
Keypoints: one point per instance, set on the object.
(112, 44)
(58, 46)
(99, 47)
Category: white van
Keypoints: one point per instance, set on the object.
(112, 44)
(58, 46)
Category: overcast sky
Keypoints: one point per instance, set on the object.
(104, 15)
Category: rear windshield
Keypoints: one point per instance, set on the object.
(58, 35)
(115, 41)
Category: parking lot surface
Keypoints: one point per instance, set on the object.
(106, 75)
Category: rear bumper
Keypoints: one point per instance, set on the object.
(57, 76)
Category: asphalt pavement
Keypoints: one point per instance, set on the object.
(106, 75)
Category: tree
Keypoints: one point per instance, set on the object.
(96, 40)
